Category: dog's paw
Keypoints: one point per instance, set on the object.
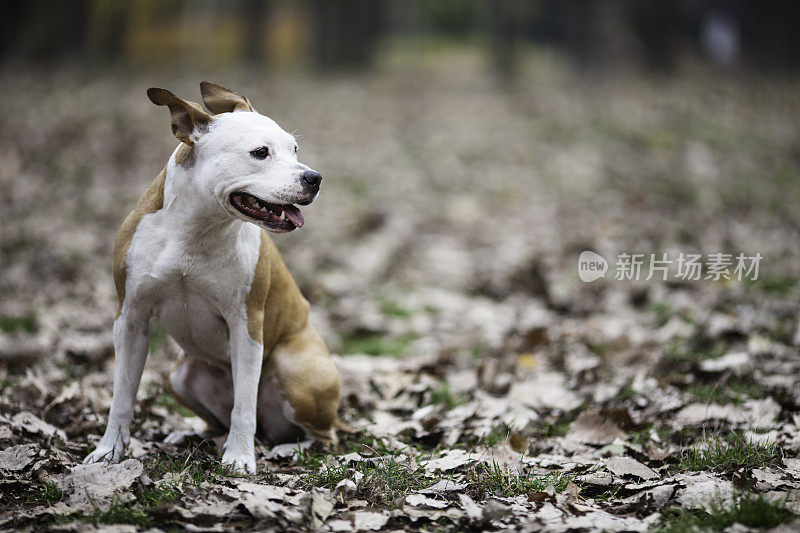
(105, 453)
(239, 463)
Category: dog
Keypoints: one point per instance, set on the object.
(195, 253)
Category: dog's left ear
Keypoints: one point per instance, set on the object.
(188, 118)
(218, 99)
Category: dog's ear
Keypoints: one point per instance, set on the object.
(188, 118)
(218, 99)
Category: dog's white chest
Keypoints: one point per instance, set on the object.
(194, 286)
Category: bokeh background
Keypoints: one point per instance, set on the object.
(471, 150)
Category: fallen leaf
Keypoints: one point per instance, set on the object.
(420, 500)
(95, 484)
(344, 487)
(32, 424)
(448, 460)
(592, 428)
(626, 466)
(738, 362)
(443, 485)
(288, 450)
(545, 390)
(757, 413)
(601, 479)
(320, 507)
(368, 520)
(473, 510)
(16, 458)
(703, 490)
(494, 509)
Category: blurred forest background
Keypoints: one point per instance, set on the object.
(326, 35)
(470, 151)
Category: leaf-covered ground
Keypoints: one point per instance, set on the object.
(488, 387)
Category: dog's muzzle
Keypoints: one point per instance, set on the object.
(275, 217)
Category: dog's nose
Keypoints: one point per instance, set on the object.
(311, 178)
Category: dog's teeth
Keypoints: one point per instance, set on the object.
(283, 215)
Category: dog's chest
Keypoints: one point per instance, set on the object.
(194, 287)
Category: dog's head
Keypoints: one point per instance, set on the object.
(241, 158)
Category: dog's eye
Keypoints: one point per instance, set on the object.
(295, 149)
(260, 153)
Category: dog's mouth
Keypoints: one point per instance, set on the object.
(275, 217)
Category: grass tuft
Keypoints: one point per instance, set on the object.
(691, 353)
(26, 323)
(730, 453)
(734, 391)
(499, 433)
(385, 480)
(194, 466)
(376, 344)
(48, 494)
(391, 308)
(444, 396)
(749, 510)
(494, 480)
(119, 512)
(556, 428)
(163, 492)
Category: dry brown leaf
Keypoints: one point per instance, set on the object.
(592, 428)
(626, 466)
(16, 458)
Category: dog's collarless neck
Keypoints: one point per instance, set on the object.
(197, 220)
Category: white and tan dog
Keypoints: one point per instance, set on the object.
(195, 253)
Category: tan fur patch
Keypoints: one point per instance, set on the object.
(257, 296)
(185, 155)
(218, 99)
(186, 116)
(150, 202)
(277, 317)
(275, 306)
(310, 381)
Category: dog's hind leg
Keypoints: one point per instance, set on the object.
(306, 378)
(205, 389)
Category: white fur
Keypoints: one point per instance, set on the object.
(191, 265)
(231, 137)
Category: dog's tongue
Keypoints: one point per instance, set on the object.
(294, 214)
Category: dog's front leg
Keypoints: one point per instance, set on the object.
(131, 344)
(246, 359)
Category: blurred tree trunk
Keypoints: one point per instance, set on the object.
(771, 33)
(107, 32)
(345, 32)
(504, 30)
(11, 27)
(660, 27)
(46, 32)
(254, 14)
